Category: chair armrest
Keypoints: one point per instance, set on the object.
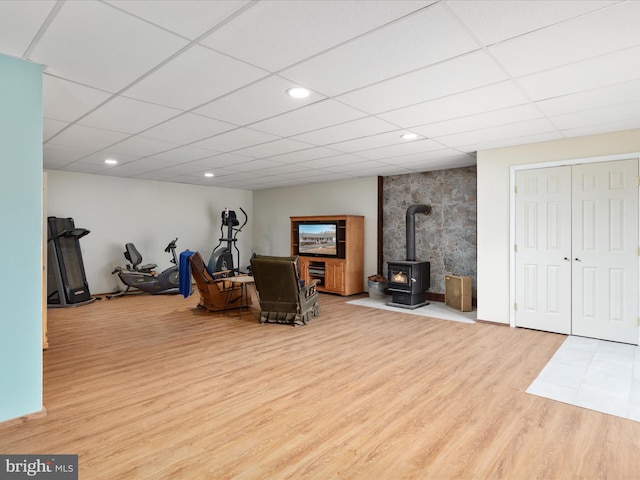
(220, 274)
(310, 289)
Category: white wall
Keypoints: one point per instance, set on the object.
(493, 206)
(272, 209)
(148, 213)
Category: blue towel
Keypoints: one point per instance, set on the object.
(184, 272)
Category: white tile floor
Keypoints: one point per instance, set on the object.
(594, 374)
(433, 309)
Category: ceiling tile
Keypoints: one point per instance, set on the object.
(416, 146)
(614, 68)
(129, 169)
(187, 128)
(424, 38)
(202, 74)
(513, 130)
(299, 174)
(189, 18)
(181, 154)
(598, 116)
(345, 161)
(271, 40)
(68, 101)
(318, 176)
(347, 131)
(307, 154)
(414, 158)
(605, 31)
(284, 169)
(86, 138)
(312, 117)
(240, 176)
(485, 99)
(20, 22)
(172, 171)
(601, 97)
(255, 166)
(479, 121)
(455, 161)
(51, 127)
(92, 168)
(235, 139)
(277, 147)
(387, 170)
(373, 141)
(617, 126)
(263, 99)
(127, 115)
(496, 20)
(486, 144)
(57, 156)
(98, 158)
(353, 164)
(141, 146)
(158, 175)
(76, 38)
(230, 161)
(459, 74)
(426, 84)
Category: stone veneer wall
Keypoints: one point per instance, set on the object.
(447, 236)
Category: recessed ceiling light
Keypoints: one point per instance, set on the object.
(111, 161)
(409, 136)
(208, 174)
(298, 92)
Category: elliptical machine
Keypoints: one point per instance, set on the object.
(222, 258)
(143, 278)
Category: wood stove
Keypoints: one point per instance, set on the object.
(409, 280)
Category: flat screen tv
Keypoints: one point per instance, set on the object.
(318, 239)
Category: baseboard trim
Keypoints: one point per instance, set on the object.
(23, 419)
(435, 297)
(439, 297)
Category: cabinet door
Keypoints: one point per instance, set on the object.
(334, 277)
(304, 271)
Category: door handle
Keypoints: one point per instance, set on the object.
(567, 259)
(577, 259)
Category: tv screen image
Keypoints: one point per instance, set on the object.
(317, 239)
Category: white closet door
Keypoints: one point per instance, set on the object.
(543, 243)
(605, 251)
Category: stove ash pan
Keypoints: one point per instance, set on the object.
(408, 282)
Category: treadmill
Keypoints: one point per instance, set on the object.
(66, 281)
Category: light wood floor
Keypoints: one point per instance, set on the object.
(150, 387)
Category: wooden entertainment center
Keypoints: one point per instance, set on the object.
(342, 273)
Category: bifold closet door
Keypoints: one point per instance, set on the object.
(543, 249)
(577, 250)
(605, 251)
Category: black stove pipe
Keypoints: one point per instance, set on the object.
(411, 228)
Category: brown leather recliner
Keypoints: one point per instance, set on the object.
(282, 298)
(216, 293)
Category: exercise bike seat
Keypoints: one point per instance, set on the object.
(135, 258)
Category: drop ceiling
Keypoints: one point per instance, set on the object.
(175, 89)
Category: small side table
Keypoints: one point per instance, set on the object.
(243, 281)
